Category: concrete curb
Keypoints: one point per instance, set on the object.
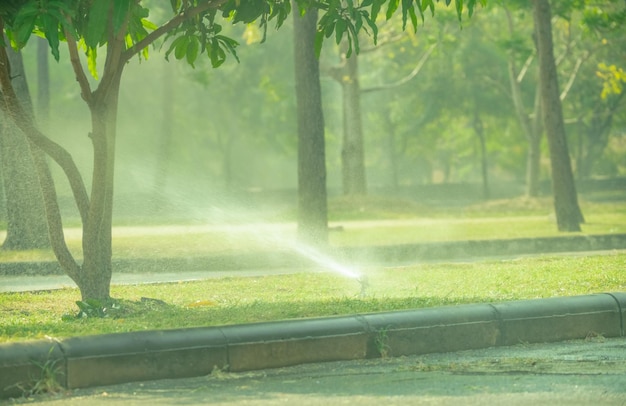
(382, 254)
(117, 358)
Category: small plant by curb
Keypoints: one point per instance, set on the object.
(382, 343)
(46, 382)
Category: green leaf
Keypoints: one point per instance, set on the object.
(373, 27)
(192, 50)
(216, 54)
(406, 6)
(375, 9)
(51, 31)
(62, 19)
(181, 48)
(149, 24)
(392, 7)
(340, 28)
(459, 8)
(174, 45)
(92, 56)
(230, 45)
(24, 23)
(355, 38)
(121, 9)
(414, 18)
(97, 22)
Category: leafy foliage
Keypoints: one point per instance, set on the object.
(96, 308)
(196, 31)
(613, 79)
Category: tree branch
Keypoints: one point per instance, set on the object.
(168, 26)
(81, 78)
(524, 70)
(573, 75)
(11, 106)
(410, 76)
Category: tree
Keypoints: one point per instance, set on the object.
(26, 225)
(120, 29)
(312, 201)
(346, 73)
(352, 151)
(568, 213)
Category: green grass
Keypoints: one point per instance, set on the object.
(377, 221)
(236, 300)
(394, 223)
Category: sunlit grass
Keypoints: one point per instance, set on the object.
(236, 300)
(207, 239)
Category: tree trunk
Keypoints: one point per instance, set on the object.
(165, 137)
(479, 129)
(312, 200)
(26, 220)
(533, 165)
(568, 214)
(594, 136)
(532, 128)
(95, 278)
(390, 131)
(352, 153)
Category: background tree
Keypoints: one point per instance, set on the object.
(568, 213)
(119, 28)
(26, 225)
(312, 200)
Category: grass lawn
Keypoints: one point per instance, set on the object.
(378, 223)
(236, 300)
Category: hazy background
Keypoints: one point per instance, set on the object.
(191, 141)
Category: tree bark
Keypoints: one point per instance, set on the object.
(26, 221)
(312, 199)
(568, 213)
(352, 152)
(479, 129)
(165, 136)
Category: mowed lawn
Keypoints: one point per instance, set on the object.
(312, 293)
(235, 300)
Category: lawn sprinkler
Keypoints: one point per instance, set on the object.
(364, 282)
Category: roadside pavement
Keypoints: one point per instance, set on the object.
(570, 373)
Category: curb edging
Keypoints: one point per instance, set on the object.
(88, 361)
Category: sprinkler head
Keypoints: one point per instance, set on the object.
(364, 282)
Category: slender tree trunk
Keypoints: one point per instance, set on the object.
(594, 137)
(479, 129)
(165, 136)
(26, 221)
(312, 199)
(393, 151)
(532, 128)
(568, 213)
(352, 153)
(533, 165)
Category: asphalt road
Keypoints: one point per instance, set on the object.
(585, 372)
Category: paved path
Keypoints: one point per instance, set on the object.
(47, 282)
(588, 372)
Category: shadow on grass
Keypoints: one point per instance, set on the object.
(154, 314)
